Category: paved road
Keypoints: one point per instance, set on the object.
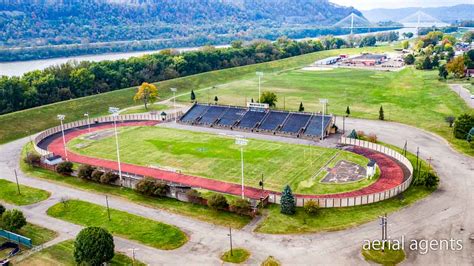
(464, 93)
(448, 213)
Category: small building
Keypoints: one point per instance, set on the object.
(371, 169)
(328, 61)
(53, 159)
(368, 59)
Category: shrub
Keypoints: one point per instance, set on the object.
(2, 210)
(96, 175)
(270, 261)
(152, 187)
(361, 134)
(372, 138)
(108, 178)
(93, 246)
(288, 204)
(32, 159)
(194, 196)
(85, 171)
(13, 220)
(217, 202)
(462, 125)
(311, 207)
(241, 206)
(427, 179)
(64, 168)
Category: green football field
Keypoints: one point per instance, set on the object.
(218, 157)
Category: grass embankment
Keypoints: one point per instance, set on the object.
(29, 195)
(141, 109)
(410, 96)
(387, 257)
(218, 157)
(19, 124)
(239, 255)
(333, 219)
(143, 230)
(62, 254)
(195, 211)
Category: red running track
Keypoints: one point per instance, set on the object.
(391, 172)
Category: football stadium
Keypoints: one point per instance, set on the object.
(251, 151)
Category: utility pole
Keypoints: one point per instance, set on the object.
(324, 102)
(417, 170)
(88, 121)
(108, 209)
(343, 125)
(405, 148)
(383, 224)
(133, 250)
(174, 90)
(230, 238)
(17, 184)
(261, 197)
(61, 118)
(260, 75)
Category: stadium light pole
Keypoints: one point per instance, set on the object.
(115, 113)
(88, 121)
(324, 102)
(242, 142)
(61, 118)
(174, 90)
(260, 75)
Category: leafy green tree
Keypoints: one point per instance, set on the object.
(409, 59)
(193, 96)
(427, 64)
(381, 114)
(462, 125)
(241, 206)
(348, 111)
(301, 108)
(85, 171)
(450, 120)
(2, 210)
(435, 61)
(269, 98)
(456, 66)
(148, 93)
(64, 168)
(443, 72)
(288, 202)
(152, 187)
(237, 44)
(217, 202)
(32, 159)
(13, 220)
(368, 41)
(108, 178)
(216, 99)
(93, 246)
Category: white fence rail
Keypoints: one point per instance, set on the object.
(364, 199)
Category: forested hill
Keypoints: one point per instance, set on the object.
(54, 22)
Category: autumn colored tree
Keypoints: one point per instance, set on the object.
(456, 66)
(147, 92)
(269, 97)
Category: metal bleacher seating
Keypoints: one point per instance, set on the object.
(212, 114)
(295, 122)
(313, 129)
(231, 116)
(196, 111)
(273, 120)
(251, 118)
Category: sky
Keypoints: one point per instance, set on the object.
(371, 4)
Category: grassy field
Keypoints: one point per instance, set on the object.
(141, 109)
(333, 219)
(29, 195)
(387, 257)
(23, 123)
(38, 235)
(143, 230)
(195, 211)
(409, 96)
(239, 255)
(218, 157)
(62, 254)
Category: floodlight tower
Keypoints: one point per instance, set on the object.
(260, 75)
(61, 118)
(324, 102)
(242, 142)
(174, 90)
(88, 121)
(115, 113)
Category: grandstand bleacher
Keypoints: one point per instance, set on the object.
(259, 120)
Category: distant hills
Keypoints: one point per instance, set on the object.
(447, 14)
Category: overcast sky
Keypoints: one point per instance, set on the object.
(371, 4)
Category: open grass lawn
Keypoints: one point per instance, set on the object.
(239, 255)
(143, 230)
(332, 219)
(218, 157)
(141, 109)
(387, 257)
(29, 195)
(195, 211)
(62, 254)
(23, 123)
(409, 96)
